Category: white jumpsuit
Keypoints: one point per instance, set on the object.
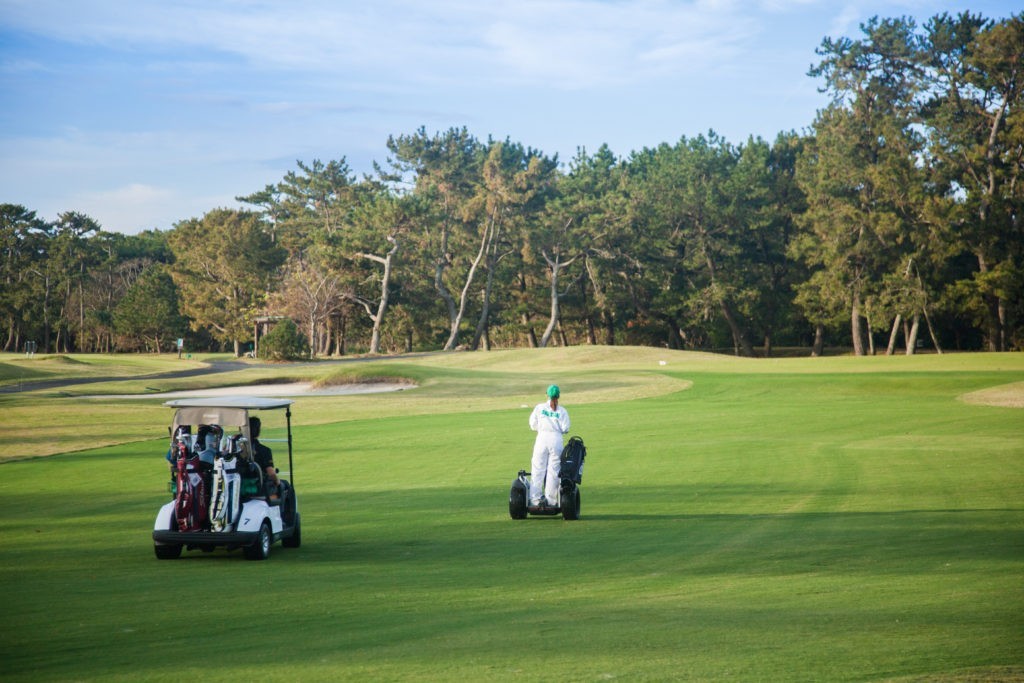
(550, 424)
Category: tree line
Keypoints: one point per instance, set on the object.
(894, 222)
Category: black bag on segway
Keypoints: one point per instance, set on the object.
(573, 456)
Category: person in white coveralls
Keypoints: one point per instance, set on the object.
(550, 421)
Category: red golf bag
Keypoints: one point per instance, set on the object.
(191, 499)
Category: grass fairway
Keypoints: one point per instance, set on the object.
(795, 520)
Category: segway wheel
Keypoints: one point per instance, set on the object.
(517, 502)
(571, 504)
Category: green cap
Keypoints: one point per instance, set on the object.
(553, 391)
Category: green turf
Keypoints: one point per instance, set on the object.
(849, 520)
(15, 368)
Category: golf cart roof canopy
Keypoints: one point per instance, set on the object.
(226, 411)
(243, 402)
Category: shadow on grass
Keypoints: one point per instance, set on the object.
(428, 529)
(432, 529)
(804, 516)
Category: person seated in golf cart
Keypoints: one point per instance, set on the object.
(264, 459)
(237, 448)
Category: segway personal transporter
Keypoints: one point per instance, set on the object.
(570, 476)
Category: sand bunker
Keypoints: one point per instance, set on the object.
(1003, 396)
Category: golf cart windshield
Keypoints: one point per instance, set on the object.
(226, 412)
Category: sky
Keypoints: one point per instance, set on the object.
(144, 113)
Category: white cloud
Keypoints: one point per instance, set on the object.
(585, 44)
(128, 208)
(135, 207)
(134, 195)
(786, 5)
(126, 182)
(846, 22)
(568, 43)
(187, 103)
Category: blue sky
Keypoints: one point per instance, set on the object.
(142, 113)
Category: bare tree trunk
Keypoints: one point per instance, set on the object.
(554, 306)
(46, 316)
(325, 338)
(340, 341)
(485, 313)
(485, 308)
(561, 334)
(889, 350)
(927, 320)
(601, 301)
(60, 335)
(676, 340)
(485, 242)
(991, 302)
(531, 336)
(855, 326)
(377, 317)
(740, 342)
(899, 317)
(931, 332)
(385, 293)
(819, 341)
(871, 335)
(1001, 310)
(554, 265)
(81, 305)
(525, 319)
(997, 314)
(440, 265)
(912, 337)
(679, 340)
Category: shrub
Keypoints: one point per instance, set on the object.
(284, 342)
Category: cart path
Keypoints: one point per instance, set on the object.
(211, 368)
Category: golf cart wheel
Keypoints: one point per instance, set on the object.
(295, 540)
(171, 551)
(571, 504)
(260, 550)
(517, 503)
(288, 511)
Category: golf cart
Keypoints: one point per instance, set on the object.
(221, 498)
(570, 476)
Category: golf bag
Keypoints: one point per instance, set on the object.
(226, 494)
(190, 498)
(573, 456)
